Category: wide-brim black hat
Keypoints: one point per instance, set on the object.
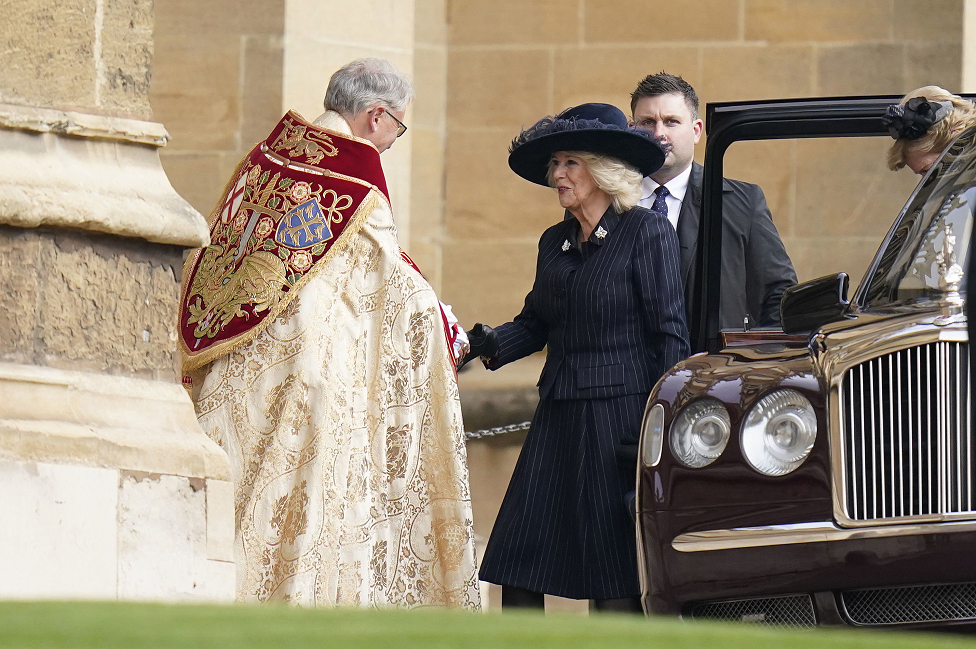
(595, 128)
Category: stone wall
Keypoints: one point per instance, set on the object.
(510, 62)
(113, 490)
(217, 85)
(57, 314)
(94, 55)
(428, 128)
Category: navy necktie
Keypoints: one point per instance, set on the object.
(661, 205)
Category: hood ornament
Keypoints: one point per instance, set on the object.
(950, 273)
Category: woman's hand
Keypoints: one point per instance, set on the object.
(484, 343)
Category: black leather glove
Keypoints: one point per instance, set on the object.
(483, 341)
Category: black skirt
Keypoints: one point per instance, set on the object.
(563, 527)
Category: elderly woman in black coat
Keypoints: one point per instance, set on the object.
(607, 302)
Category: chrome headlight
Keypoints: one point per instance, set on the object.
(700, 433)
(779, 432)
(653, 435)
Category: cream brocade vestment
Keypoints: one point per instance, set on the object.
(343, 426)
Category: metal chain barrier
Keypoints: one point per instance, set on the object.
(498, 430)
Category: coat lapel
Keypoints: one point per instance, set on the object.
(688, 219)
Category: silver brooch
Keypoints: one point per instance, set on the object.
(565, 245)
(600, 232)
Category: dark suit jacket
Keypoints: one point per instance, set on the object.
(611, 311)
(755, 267)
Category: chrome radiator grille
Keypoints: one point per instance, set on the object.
(905, 434)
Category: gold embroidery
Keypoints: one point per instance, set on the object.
(397, 447)
(219, 299)
(349, 584)
(296, 140)
(290, 518)
(288, 405)
(289, 312)
(454, 536)
(418, 336)
(378, 566)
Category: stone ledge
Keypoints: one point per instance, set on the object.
(92, 183)
(47, 120)
(66, 417)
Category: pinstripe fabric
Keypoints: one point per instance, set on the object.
(612, 315)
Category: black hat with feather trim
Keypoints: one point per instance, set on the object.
(594, 128)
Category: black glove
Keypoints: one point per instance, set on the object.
(483, 341)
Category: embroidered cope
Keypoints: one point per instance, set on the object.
(340, 410)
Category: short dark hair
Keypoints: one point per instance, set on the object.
(663, 83)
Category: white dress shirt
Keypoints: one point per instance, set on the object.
(677, 187)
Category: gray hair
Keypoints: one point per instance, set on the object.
(358, 85)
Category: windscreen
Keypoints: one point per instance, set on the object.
(924, 256)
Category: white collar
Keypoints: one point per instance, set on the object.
(677, 186)
(333, 121)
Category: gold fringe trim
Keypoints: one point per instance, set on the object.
(192, 362)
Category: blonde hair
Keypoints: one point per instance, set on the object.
(619, 180)
(941, 134)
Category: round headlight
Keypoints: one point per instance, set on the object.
(700, 433)
(779, 432)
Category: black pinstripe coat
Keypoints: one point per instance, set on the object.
(612, 314)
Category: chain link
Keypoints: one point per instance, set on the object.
(498, 430)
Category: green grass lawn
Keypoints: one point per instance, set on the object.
(85, 624)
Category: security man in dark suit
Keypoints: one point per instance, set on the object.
(755, 267)
(607, 303)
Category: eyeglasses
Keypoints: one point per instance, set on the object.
(401, 127)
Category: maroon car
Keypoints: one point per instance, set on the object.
(822, 473)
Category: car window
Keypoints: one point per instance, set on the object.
(832, 200)
(925, 253)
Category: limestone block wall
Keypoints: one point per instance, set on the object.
(113, 490)
(90, 54)
(217, 85)
(428, 129)
(510, 63)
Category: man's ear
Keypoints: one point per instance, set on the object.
(374, 113)
(699, 127)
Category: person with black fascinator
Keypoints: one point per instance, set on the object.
(608, 304)
(923, 124)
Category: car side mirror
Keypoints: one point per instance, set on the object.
(810, 305)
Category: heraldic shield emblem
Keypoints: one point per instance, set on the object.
(304, 226)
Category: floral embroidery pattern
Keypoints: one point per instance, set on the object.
(300, 260)
(300, 192)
